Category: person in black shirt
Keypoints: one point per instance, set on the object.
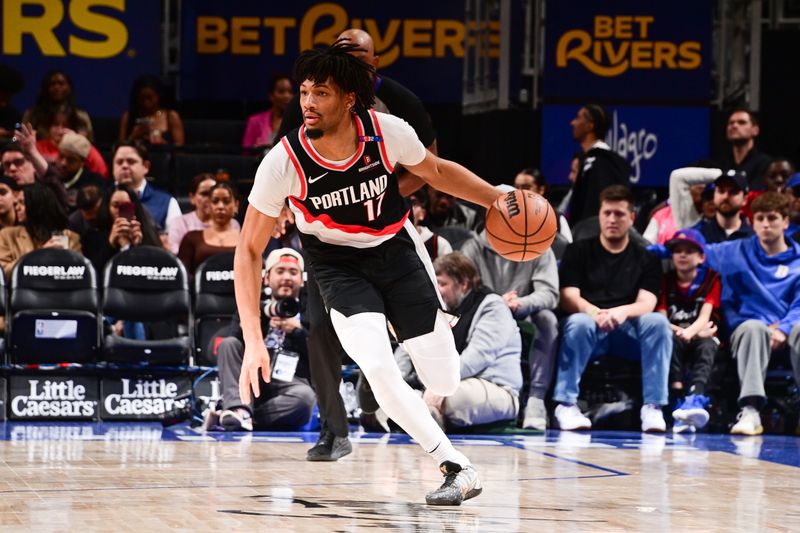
(601, 166)
(325, 350)
(741, 132)
(730, 191)
(609, 285)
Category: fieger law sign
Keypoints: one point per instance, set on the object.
(53, 397)
(141, 398)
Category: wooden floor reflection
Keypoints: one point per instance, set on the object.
(138, 478)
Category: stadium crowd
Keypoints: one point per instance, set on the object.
(706, 296)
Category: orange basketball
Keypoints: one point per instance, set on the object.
(521, 225)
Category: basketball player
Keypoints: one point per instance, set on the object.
(337, 173)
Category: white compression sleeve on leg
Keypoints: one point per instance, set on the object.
(366, 341)
(435, 358)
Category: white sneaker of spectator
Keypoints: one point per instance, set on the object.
(749, 422)
(570, 418)
(535, 415)
(652, 419)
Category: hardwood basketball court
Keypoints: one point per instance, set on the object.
(140, 477)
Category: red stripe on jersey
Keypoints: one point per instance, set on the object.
(385, 157)
(321, 162)
(328, 222)
(300, 175)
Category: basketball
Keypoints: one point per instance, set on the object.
(521, 225)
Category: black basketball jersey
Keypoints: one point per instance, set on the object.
(357, 203)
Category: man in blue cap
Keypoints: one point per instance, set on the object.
(730, 191)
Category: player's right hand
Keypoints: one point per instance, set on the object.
(256, 356)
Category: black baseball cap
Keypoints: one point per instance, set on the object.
(737, 177)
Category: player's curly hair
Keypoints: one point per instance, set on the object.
(337, 64)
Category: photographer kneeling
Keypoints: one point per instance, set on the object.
(287, 401)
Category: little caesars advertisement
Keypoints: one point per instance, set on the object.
(141, 398)
(53, 397)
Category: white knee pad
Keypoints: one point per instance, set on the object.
(435, 358)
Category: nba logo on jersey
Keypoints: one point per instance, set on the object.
(367, 160)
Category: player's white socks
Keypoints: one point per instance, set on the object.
(445, 452)
(366, 341)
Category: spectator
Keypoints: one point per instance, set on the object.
(436, 245)
(531, 179)
(88, 199)
(778, 173)
(11, 83)
(609, 288)
(220, 236)
(8, 194)
(601, 168)
(287, 401)
(50, 147)
(741, 132)
(445, 211)
(148, 119)
(24, 163)
(43, 224)
(760, 301)
(729, 223)
(73, 151)
(198, 218)
(262, 127)
(121, 222)
(489, 343)
(662, 222)
(57, 97)
(131, 164)
(574, 168)
(690, 299)
(530, 291)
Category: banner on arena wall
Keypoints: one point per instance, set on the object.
(229, 50)
(628, 50)
(142, 398)
(102, 44)
(45, 397)
(655, 140)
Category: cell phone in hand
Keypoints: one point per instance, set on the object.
(127, 210)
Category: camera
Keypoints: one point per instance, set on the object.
(283, 308)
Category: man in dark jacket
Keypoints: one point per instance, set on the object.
(602, 167)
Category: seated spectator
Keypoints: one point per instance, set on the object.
(531, 179)
(24, 163)
(778, 173)
(444, 210)
(8, 197)
(57, 97)
(131, 164)
(262, 127)
(436, 245)
(609, 287)
(73, 151)
(690, 299)
(530, 290)
(11, 83)
(88, 199)
(43, 224)
(760, 301)
(661, 227)
(220, 236)
(198, 218)
(148, 119)
(488, 340)
(729, 224)
(286, 402)
(121, 222)
(50, 147)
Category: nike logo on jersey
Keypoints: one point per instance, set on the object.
(314, 180)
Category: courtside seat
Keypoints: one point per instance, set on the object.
(148, 284)
(215, 304)
(53, 308)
